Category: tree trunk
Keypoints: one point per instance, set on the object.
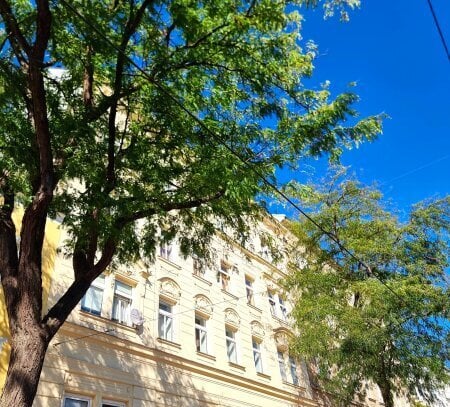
(27, 358)
(386, 393)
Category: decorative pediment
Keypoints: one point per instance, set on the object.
(203, 305)
(232, 318)
(282, 337)
(257, 329)
(169, 289)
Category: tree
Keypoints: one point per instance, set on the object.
(372, 298)
(127, 118)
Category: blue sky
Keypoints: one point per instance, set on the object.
(393, 51)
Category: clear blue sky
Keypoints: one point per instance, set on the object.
(393, 51)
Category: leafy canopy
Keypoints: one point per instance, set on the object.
(124, 148)
(394, 333)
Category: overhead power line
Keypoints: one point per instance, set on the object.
(438, 27)
(219, 140)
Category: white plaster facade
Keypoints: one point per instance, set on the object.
(220, 338)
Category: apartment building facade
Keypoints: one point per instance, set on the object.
(180, 332)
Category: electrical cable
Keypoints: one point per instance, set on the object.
(438, 27)
(230, 149)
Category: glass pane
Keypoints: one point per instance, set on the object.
(165, 307)
(72, 402)
(161, 325)
(92, 300)
(123, 289)
(169, 330)
(203, 347)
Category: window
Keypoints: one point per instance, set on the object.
(109, 403)
(223, 276)
(273, 308)
(282, 366)
(199, 268)
(257, 355)
(249, 290)
(201, 335)
(282, 308)
(92, 300)
(231, 345)
(76, 401)
(293, 369)
(165, 250)
(122, 303)
(165, 321)
(277, 306)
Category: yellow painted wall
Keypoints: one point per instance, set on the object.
(52, 234)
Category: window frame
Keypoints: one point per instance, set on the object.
(250, 290)
(199, 330)
(76, 397)
(166, 315)
(121, 297)
(282, 366)
(293, 370)
(257, 352)
(166, 251)
(112, 403)
(224, 276)
(95, 285)
(231, 342)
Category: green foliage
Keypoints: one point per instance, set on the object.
(355, 329)
(239, 66)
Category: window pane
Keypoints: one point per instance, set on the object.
(92, 300)
(72, 402)
(282, 366)
(123, 289)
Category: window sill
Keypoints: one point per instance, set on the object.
(229, 294)
(283, 321)
(295, 386)
(170, 343)
(235, 365)
(169, 262)
(203, 280)
(264, 375)
(254, 307)
(206, 355)
(99, 318)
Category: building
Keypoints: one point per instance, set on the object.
(179, 332)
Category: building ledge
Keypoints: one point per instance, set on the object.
(254, 307)
(206, 356)
(200, 278)
(264, 375)
(170, 343)
(229, 294)
(235, 365)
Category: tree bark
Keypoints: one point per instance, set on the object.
(386, 393)
(28, 349)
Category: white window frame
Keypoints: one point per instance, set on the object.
(282, 366)
(231, 345)
(201, 331)
(112, 403)
(250, 292)
(166, 251)
(122, 298)
(77, 398)
(293, 370)
(257, 355)
(165, 316)
(95, 285)
(282, 308)
(272, 303)
(224, 277)
(198, 267)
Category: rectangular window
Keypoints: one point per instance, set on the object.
(122, 303)
(282, 366)
(109, 403)
(76, 401)
(249, 290)
(201, 335)
(272, 304)
(282, 308)
(293, 369)
(257, 355)
(165, 250)
(223, 276)
(199, 267)
(165, 321)
(92, 300)
(231, 345)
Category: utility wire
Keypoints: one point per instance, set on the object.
(271, 185)
(85, 336)
(438, 27)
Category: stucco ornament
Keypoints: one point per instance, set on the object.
(232, 318)
(169, 289)
(257, 329)
(282, 340)
(203, 305)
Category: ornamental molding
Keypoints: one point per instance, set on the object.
(257, 329)
(203, 305)
(169, 289)
(282, 338)
(232, 318)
